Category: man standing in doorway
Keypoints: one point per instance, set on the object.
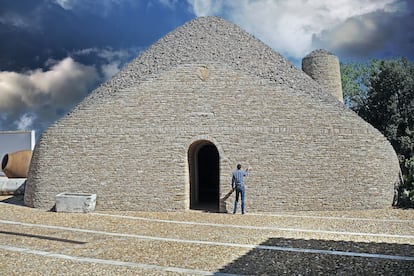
(237, 183)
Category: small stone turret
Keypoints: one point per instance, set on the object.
(323, 67)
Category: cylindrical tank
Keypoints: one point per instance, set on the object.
(323, 67)
(16, 164)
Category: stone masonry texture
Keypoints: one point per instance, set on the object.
(129, 140)
(323, 67)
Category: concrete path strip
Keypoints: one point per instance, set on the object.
(272, 228)
(111, 262)
(248, 246)
(330, 218)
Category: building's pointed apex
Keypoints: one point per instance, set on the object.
(213, 39)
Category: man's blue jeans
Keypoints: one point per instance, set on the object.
(239, 191)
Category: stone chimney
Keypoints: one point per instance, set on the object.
(323, 67)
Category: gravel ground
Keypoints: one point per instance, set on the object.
(35, 242)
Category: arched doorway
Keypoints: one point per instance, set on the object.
(203, 161)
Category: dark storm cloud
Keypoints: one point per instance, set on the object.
(20, 33)
(35, 31)
(384, 34)
(43, 41)
(54, 52)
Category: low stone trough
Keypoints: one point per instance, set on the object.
(75, 202)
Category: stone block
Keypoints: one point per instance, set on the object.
(12, 186)
(75, 202)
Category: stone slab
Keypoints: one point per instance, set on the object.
(75, 202)
(12, 186)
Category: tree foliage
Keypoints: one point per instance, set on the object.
(382, 93)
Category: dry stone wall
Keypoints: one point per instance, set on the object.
(131, 149)
(128, 142)
(323, 67)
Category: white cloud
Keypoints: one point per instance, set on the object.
(290, 27)
(207, 7)
(105, 53)
(168, 3)
(65, 4)
(30, 21)
(25, 122)
(108, 60)
(111, 55)
(101, 7)
(43, 95)
(110, 69)
(14, 20)
(36, 98)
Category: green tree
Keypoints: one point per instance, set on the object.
(382, 92)
(354, 76)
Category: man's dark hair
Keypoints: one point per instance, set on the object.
(238, 166)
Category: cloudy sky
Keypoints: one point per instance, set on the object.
(54, 52)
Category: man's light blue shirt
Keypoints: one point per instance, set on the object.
(238, 178)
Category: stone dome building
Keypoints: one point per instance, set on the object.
(166, 132)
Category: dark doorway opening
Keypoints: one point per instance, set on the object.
(203, 158)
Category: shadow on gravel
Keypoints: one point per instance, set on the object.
(308, 257)
(16, 200)
(40, 237)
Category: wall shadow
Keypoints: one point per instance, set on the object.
(40, 237)
(262, 261)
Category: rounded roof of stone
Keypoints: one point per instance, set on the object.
(213, 39)
(319, 52)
